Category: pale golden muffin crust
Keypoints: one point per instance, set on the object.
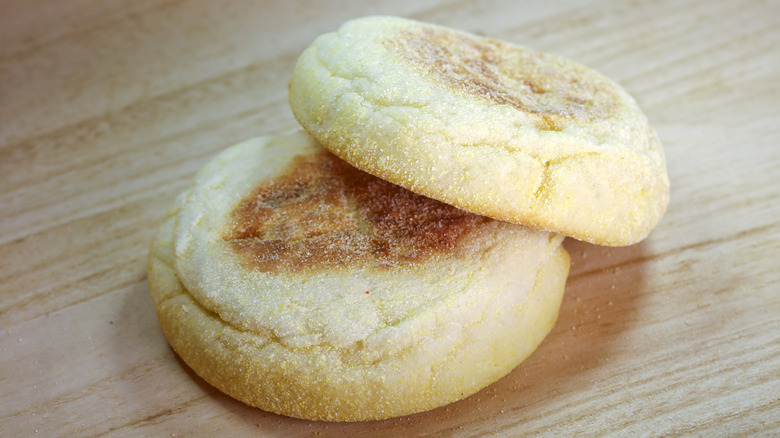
(491, 127)
(298, 284)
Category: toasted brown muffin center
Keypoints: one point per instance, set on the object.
(528, 80)
(321, 213)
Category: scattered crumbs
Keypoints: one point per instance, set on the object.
(259, 425)
(20, 339)
(111, 322)
(579, 299)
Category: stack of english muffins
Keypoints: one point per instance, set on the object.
(405, 250)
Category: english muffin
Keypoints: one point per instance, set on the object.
(298, 284)
(485, 125)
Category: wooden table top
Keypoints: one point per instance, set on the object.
(108, 108)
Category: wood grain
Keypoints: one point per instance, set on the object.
(108, 108)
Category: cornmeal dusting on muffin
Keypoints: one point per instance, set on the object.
(361, 339)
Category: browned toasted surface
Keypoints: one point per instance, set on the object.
(492, 70)
(321, 212)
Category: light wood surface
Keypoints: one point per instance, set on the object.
(108, 108)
